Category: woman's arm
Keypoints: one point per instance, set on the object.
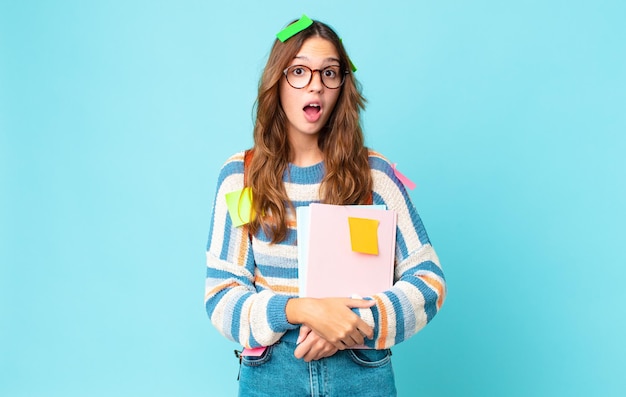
(419, 285)
(232, 302)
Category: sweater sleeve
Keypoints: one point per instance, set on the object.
(232, 302)
(419, 287)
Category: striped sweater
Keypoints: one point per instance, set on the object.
(249, 281)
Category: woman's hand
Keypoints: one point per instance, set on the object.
(311, 347)
(332, 319)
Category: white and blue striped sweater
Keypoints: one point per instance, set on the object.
(249, 281)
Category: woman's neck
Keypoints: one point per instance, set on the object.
(305, 153)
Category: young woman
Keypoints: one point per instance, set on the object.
(309, 147)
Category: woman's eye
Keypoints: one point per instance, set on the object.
(330, 73)
(298, 71)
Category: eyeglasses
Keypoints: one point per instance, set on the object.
(299, 76)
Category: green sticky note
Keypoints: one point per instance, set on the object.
(239, 205)
(352, 66)
(364, 235)
(296, 27)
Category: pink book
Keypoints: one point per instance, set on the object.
(334, 269)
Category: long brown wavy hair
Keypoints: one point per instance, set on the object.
(347, 180)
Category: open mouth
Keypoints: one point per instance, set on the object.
(312, 109)
(312, 112)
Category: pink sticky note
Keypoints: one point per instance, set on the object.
(254, 352)
(406, 181)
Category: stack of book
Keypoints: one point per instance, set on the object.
(345, 250)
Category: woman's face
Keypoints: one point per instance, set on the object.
(309, 108)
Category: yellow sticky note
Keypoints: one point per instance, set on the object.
(364, 235)
(239, 205)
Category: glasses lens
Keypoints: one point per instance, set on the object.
(332, 77)
(298, 76)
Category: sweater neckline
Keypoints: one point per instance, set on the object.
(311, 173)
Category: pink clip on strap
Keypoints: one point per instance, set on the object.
(406, 181)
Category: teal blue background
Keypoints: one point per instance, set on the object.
(116, 116)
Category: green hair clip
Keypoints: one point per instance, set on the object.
(296, 27)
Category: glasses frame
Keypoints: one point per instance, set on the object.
(343, 76)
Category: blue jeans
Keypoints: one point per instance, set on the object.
(348, 373)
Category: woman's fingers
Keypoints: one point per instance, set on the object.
(313, 347)
(304, 331)
(302, 349)
(358, 337)
(333, 319)
(363, 328)
(359, 303)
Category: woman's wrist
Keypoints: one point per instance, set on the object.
(295, 310)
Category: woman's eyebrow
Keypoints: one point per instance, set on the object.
(329, 59)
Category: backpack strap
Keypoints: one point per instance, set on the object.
(247, 160)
